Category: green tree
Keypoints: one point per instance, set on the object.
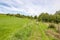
(57, 12)
(35, 17)
(17, 15)
(43, 17)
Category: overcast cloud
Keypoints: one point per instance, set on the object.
(29, 7)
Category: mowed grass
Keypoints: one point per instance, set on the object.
(13, 28)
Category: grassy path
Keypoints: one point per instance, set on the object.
(42, 30)
(12, 28)
(38, 32)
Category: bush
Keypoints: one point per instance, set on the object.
(51, 26)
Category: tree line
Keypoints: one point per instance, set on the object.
(50, 17)
(19, 15)
(45, 17)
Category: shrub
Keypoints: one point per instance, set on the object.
(51, 26)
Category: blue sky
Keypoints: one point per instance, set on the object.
(29, 7)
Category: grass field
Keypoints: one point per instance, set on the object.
(13, 28)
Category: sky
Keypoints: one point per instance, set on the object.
(29, 7)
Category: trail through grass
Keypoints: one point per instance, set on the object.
(13, 28)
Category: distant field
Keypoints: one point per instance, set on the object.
(13, 28)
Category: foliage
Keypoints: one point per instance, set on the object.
(20, 16)
(35, 17)
(51, 26)
(57, 12)
(45, 17)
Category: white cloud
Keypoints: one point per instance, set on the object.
(29, 7)
(56, 4)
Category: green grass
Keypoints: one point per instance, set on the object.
(13, 28)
